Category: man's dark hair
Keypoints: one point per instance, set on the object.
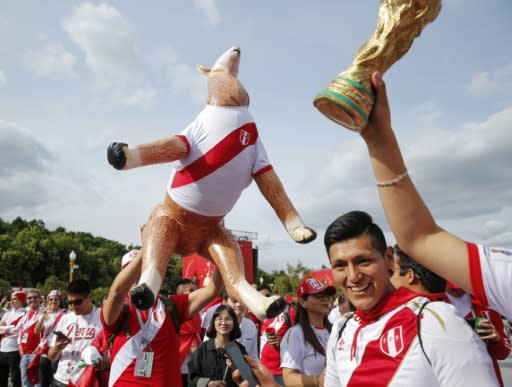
(185, 281)
(430, 280)
(79, 286)
(211, 332)
(353, 225)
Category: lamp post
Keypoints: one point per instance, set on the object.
(72, 257)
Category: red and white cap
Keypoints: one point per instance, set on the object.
(54, 294)
(314, 286)
(128, 257)
(20, 295)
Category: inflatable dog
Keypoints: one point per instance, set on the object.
(219, 153)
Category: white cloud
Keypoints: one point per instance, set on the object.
(209, 9)
(51, 61)
(3, 78)
(110, 54)
(460, 174)
(185, 79)
(427, 113)
(486, 83)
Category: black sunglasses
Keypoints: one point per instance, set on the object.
(32, 298)
(76, 302)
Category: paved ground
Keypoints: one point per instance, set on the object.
(506, 371)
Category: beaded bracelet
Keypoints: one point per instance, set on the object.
(389, 183)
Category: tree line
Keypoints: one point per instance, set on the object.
(31, 255)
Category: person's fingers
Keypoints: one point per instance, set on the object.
(380, 87)
(237, 376)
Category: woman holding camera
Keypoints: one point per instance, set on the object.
(210, 365)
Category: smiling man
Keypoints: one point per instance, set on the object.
(396, 337)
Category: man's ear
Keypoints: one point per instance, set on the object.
(389, 258)
(411, 276)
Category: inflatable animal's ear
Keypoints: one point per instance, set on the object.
(203, 69)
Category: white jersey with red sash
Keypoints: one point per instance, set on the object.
(157, 335)
(382, 348)
(81, 330)
(224, 153)
(491, 277)
(9, 329)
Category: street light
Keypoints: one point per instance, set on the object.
(72, 257)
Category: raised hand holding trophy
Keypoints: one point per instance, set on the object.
(348, 99)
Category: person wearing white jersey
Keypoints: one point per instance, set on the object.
(484, 271)
(9, 353)
(303, 345)
(396, 337)
(77, 329)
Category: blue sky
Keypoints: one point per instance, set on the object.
(75, 76)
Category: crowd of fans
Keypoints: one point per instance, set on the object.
(63, 339)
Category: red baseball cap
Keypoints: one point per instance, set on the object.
(314, 286)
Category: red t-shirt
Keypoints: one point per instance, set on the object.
(164, 344)
(270, 355)
(28, 340)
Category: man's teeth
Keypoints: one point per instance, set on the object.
(359, 289)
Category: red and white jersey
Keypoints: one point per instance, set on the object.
(490, 269)
(224, 153)
(381, 347)
(9, 330)
(158, 336)
(27, 338)
(81, 330)
(269, 354)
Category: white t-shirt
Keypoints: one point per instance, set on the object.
(297, 354)
(248, 338)
(388, 350)
(225, 152)
(81, 330)
(491, 277)
(9, 329)
(334, 315)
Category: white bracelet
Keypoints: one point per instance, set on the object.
(389, 183)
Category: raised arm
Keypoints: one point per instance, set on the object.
(410, 220)
(273, 191)
(122, 156)
(113, 305)
(199, 298)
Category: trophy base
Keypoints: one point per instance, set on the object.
(346, 102)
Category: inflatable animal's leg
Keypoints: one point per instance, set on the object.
(227, 256)
(272, 189)
(160, 236)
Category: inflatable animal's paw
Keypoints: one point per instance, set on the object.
(116, 156)
(303, 234)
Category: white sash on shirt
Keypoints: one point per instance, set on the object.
(129, 351)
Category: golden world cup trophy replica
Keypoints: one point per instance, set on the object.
(348, 100)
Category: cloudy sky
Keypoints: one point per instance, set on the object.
(75, 76)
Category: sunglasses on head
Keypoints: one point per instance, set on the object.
(76, 302)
